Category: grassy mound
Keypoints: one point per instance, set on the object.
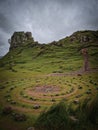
(62, 117)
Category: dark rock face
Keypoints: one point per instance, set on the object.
(19, 39)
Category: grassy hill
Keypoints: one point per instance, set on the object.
(35, 76)
(61, 56)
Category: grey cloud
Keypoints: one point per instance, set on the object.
(5, 24)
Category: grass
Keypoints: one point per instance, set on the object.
(25, 105)
(64, 117)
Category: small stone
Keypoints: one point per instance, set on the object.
(88, 92)
(53, 100)
(7, 96)
(19, 117)
(8, 100)
(11, 88)
(13, 102)
(36, 106)
(2, 87)
(31, 98)
(96, 88)
(7, 110)
(31, 128)
(74, 119)
(25, 96)
(76, 101)
(78, 96)
(79, 75)
(79, 87)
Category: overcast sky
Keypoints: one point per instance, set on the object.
(48, 20)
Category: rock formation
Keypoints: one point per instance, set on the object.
(84, 36)
(19, 39)
(85, 55)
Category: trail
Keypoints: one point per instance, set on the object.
(74, 73)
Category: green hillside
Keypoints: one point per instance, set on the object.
(36, 78)
(59, 56)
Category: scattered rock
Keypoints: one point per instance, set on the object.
(79, 75)
(7, 110)
(74, 119)
(31, 128)
(56, 94)
(2, 87)
(95, 83)
(11, 88)
(76, 101)
(91, 81)
(9, 99)
(13, 102)
(7, 96)
(53, 100)
(78, 96)
(88, 92)
(31, 98)
(89, 89)
(25, 96)
(19, 117)
(96, 88)
(36, 106)
(79, 87)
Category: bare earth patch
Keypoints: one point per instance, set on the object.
(46, 89)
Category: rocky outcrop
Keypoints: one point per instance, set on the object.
(84, 36)
(80, 38)
(19, 39)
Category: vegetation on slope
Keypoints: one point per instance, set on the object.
(62, 56)
(63, 117)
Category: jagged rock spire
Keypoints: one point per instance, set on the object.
(19, 39)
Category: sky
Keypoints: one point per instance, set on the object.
(48, 20)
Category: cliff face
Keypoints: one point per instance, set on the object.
(19, 39)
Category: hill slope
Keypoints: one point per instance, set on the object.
(35, 76)
(59, 56)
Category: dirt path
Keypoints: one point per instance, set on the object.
(79, 72)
